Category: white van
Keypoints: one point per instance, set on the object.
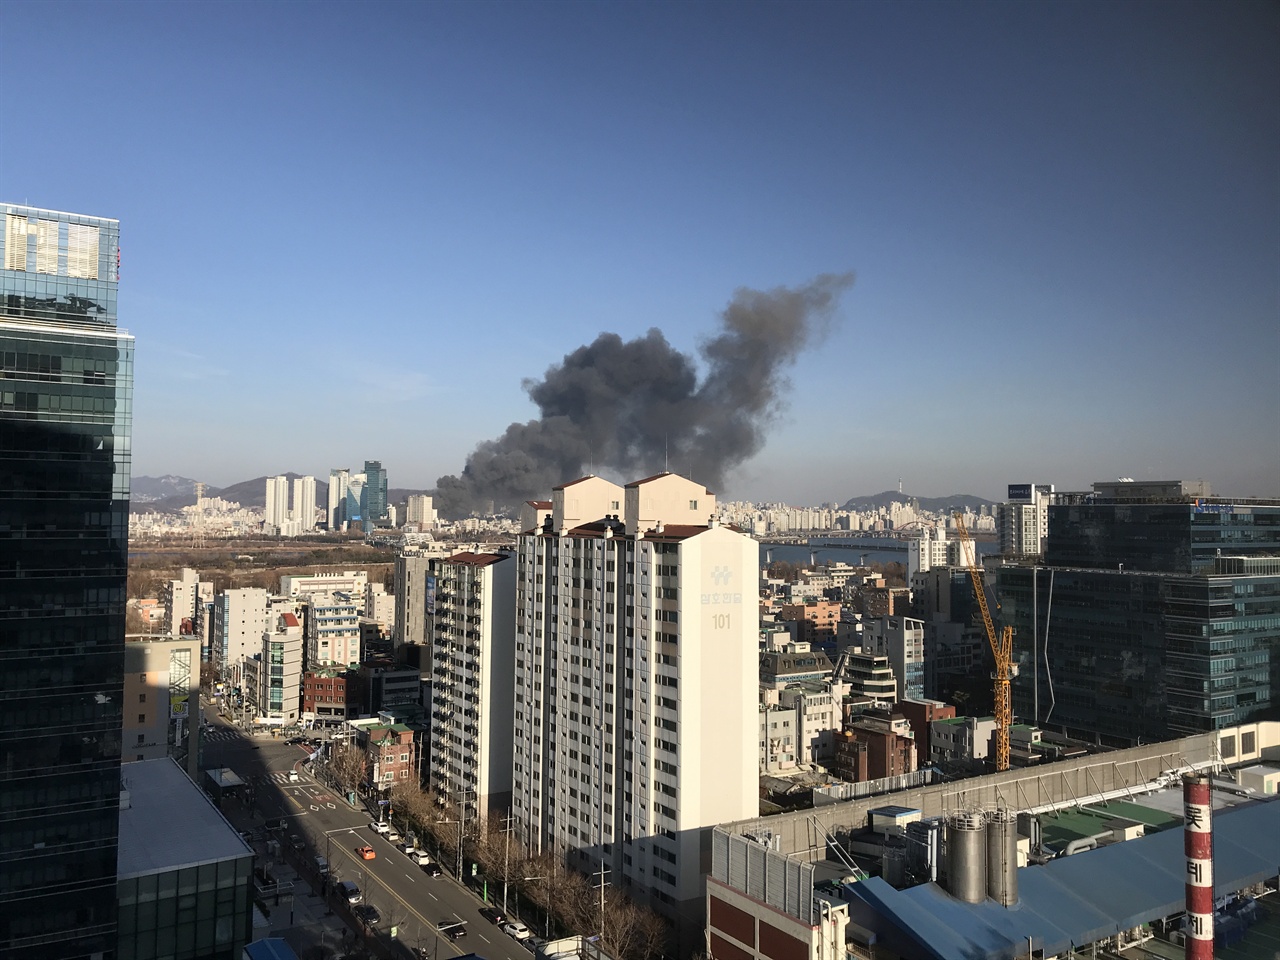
(420, 858)
(293, 776)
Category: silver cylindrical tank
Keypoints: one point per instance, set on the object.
(1002, 857)
(967, 857)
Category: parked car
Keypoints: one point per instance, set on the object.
(517, 930)
(533, 943)
(392, 835)
(322, 866)
(378, 826)
(367, 913)
(407, 848)
(350, 892)
(432, 869)
(366, 852)
(453, 929)
(295, 841)
(493, 915)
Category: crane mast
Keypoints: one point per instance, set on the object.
(1001, 649)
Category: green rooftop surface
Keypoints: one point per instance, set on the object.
(1070, 824)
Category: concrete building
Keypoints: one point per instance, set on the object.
(161, 700)
(1022, 522)
(273, 677)
(470, 608)
(332, 629)
(303, 510)
(239, 620)
(875, 746)
(390, 752)
(798, 725)
(793, 662)
(636, 724)
(385, 685)
(815, 620)
(301, 586)
(925, 552)
(276, 512)
(410, 623)
(380, 606)
(339, 483)
(868, 675)
(419, 511)
(329, 697)
(181, 600)
(901, 639)
(66, 401)
(185, 875)
(960, 740)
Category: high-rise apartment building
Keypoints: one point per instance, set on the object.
(470, 604)
(411, 623)
(1022, 522)
(277, 503)
(636, 683)
(418, 509)
(333, 629)
(1153, 614)
(182, 599)
(304, 504)
(339, 481)
(66, 394)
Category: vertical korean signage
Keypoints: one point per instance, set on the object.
(1197, 833)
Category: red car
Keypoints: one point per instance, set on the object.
(366, 853)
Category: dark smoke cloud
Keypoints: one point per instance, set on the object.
(629, 407)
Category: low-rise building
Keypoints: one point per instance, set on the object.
(963, 740)
(875, 746)
(329, 697)
(390, 751)
(161, 700)
(184, 875)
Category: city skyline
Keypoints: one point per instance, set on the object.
(1062, 221)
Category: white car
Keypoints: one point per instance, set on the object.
(517, 930)
(381, 828)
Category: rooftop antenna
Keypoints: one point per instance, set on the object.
(666, 459)
(899, 484)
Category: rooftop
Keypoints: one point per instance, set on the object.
(170, 823)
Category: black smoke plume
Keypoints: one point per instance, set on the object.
(633, 407)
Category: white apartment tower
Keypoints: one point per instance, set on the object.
(636, 682)
(239, 620)
(470, 605)
(277, 502)
(1023, 521)
(339, 482)
(304, 503)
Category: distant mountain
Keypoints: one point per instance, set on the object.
(147, 489)
(957, 501)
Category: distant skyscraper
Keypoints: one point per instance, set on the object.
(66, 393)
(277, 502)
(374, 507)
(339, 481)
(304, 503)
(1023, 521)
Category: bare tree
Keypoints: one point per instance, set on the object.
(347, 765)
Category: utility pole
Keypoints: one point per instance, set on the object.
(507, 821)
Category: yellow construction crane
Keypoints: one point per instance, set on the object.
(1001, 648)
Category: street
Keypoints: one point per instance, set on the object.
(403, 894)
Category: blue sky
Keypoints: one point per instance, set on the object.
(351, 231)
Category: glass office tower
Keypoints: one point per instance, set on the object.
(66, 375)
(374, 507)
(1154, 615)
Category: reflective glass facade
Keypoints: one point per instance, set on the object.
(66, 378)
(1149, 620)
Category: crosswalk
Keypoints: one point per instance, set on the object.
(279, 776)
(220, 733)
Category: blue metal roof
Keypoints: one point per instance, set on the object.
(272, 948)
(1071, 901)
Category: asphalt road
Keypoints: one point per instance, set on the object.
(402, 892)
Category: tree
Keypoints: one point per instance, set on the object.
(348, 766)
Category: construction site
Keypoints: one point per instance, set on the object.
(1099, 856)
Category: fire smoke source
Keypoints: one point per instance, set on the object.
(633, 406)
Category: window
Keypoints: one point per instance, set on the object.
(82, 251)
(15, 242)
(693, 504)
(142, 738)
(142, 718)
